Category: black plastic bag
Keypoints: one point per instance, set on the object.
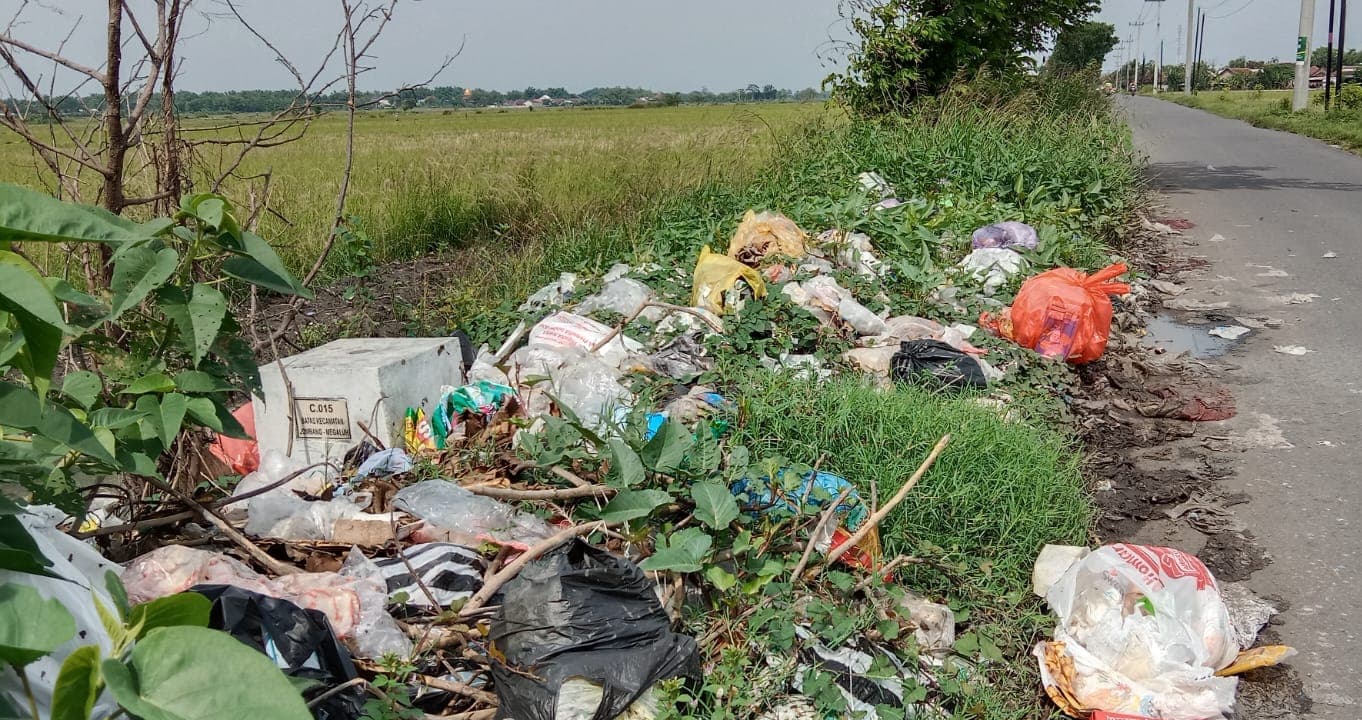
(935, 364)
(299, 641)
(580, 612)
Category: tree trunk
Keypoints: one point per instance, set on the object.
(112, 195)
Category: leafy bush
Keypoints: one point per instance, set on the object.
(152, 353)
(1350, 97)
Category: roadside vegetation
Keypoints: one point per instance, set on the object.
(1341, 124)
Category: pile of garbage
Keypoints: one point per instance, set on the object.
(534, 544)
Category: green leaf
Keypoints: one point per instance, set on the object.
(137, 273)
(82, 386)
(150, 383)
(259, 265)
(720, 578)
(114, 585)
(668, 448)
(31, 626)
(630, 504)
(26, 215)
(170, 414)
(18, 552)
(683, 551)
(198, 318)
(625, 467)
(714, 504)
(24, 410)
(77, 686)
(187, 608)
(114, 418)
(23, 287)
(40, 345)
(65, 292)
(198, 381)
(177, 673)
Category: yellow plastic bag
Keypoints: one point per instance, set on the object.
(762, 234)
(715, 275)
(1259, 657)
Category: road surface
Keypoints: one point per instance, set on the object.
(1282, 203)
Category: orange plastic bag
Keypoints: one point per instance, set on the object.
(1062, 313)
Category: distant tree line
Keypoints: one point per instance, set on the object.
(218, 102)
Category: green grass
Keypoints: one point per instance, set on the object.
(1265, 109)
(428, 181)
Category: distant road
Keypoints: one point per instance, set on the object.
(1281, 202)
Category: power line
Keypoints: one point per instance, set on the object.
(1235, 12)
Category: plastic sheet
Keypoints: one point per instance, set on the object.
(445, 504)
(622, 296)
(993, 267)
(287, 517)
(300, 641)
(566, 330)
(242, 456)
(450, 572)
(585, 615)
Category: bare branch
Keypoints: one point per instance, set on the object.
(93, 74)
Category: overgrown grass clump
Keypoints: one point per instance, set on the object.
(1272, 109)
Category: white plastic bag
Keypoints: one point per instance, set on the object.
(566, 330)
(993, 267)
(1145, 629)
(288, 517)
(449, 506)
(622, 296)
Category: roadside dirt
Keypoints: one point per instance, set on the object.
(1156, 454)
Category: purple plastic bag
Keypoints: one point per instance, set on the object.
(1008, 234)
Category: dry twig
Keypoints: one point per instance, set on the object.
(818, 529)
(494, 583)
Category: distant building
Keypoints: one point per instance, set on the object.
(1226, 74)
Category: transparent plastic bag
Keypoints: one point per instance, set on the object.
(451, 507)
(622, 296)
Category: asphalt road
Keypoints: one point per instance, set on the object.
(1282, 202)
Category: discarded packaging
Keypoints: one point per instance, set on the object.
(825, 299)
(681, 359)
(715, 285)
(552, 295)
(787, 495)
(1062, 313)
(764, 234)
(851, 250)
(937, 365)
(1006, 235)
(289, 517)
(1141, 630)
(566, 330)
(446, 505)
(1291, 349)
(582, 614)
(481, 398)
(242, 456)
(1229, 332)
(852, 668)
(448, 572)
(393, 461)
(873, 182)
(355, 606)
(298, 640)
(993, 267)
(622, 297)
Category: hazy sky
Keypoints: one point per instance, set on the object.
(659, 44)
(1258, 29)
(508, 44)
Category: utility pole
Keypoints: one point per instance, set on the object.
(1190, 67)
(1158, 33)
(1200, 42)
(1138, 52)
(1300, 96)
(1342, 37)
(1329, 53)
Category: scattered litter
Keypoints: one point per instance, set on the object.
(1330, 254)
(993, 267)
(552, 295)
(1248, 613)
(300, 641)
(828, 301)
(1158, 227)
(806, 367)
(589, 626)
(1258, 323)
(850, 250)
(1291, 349)
(1217, 238)
(1141, 630)
(1229, 332)
(289, 517)
(937, 365)
(720, 281)
(1297, 298)
(1192, 305)
(1325, 443)
(355, 606)
(1273, 273)
(682, 359)
(1062, 314)
(873, 182)
(445, 505)
(853, 671)
(1007, 234)
(566, 330)
(1198, 403)
(1167, 288)
(383, 463)
(242, 456)
(766, 234)
(622, 296)
(443, 572)
(784, 496)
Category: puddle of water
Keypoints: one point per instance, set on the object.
(1167, 333)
